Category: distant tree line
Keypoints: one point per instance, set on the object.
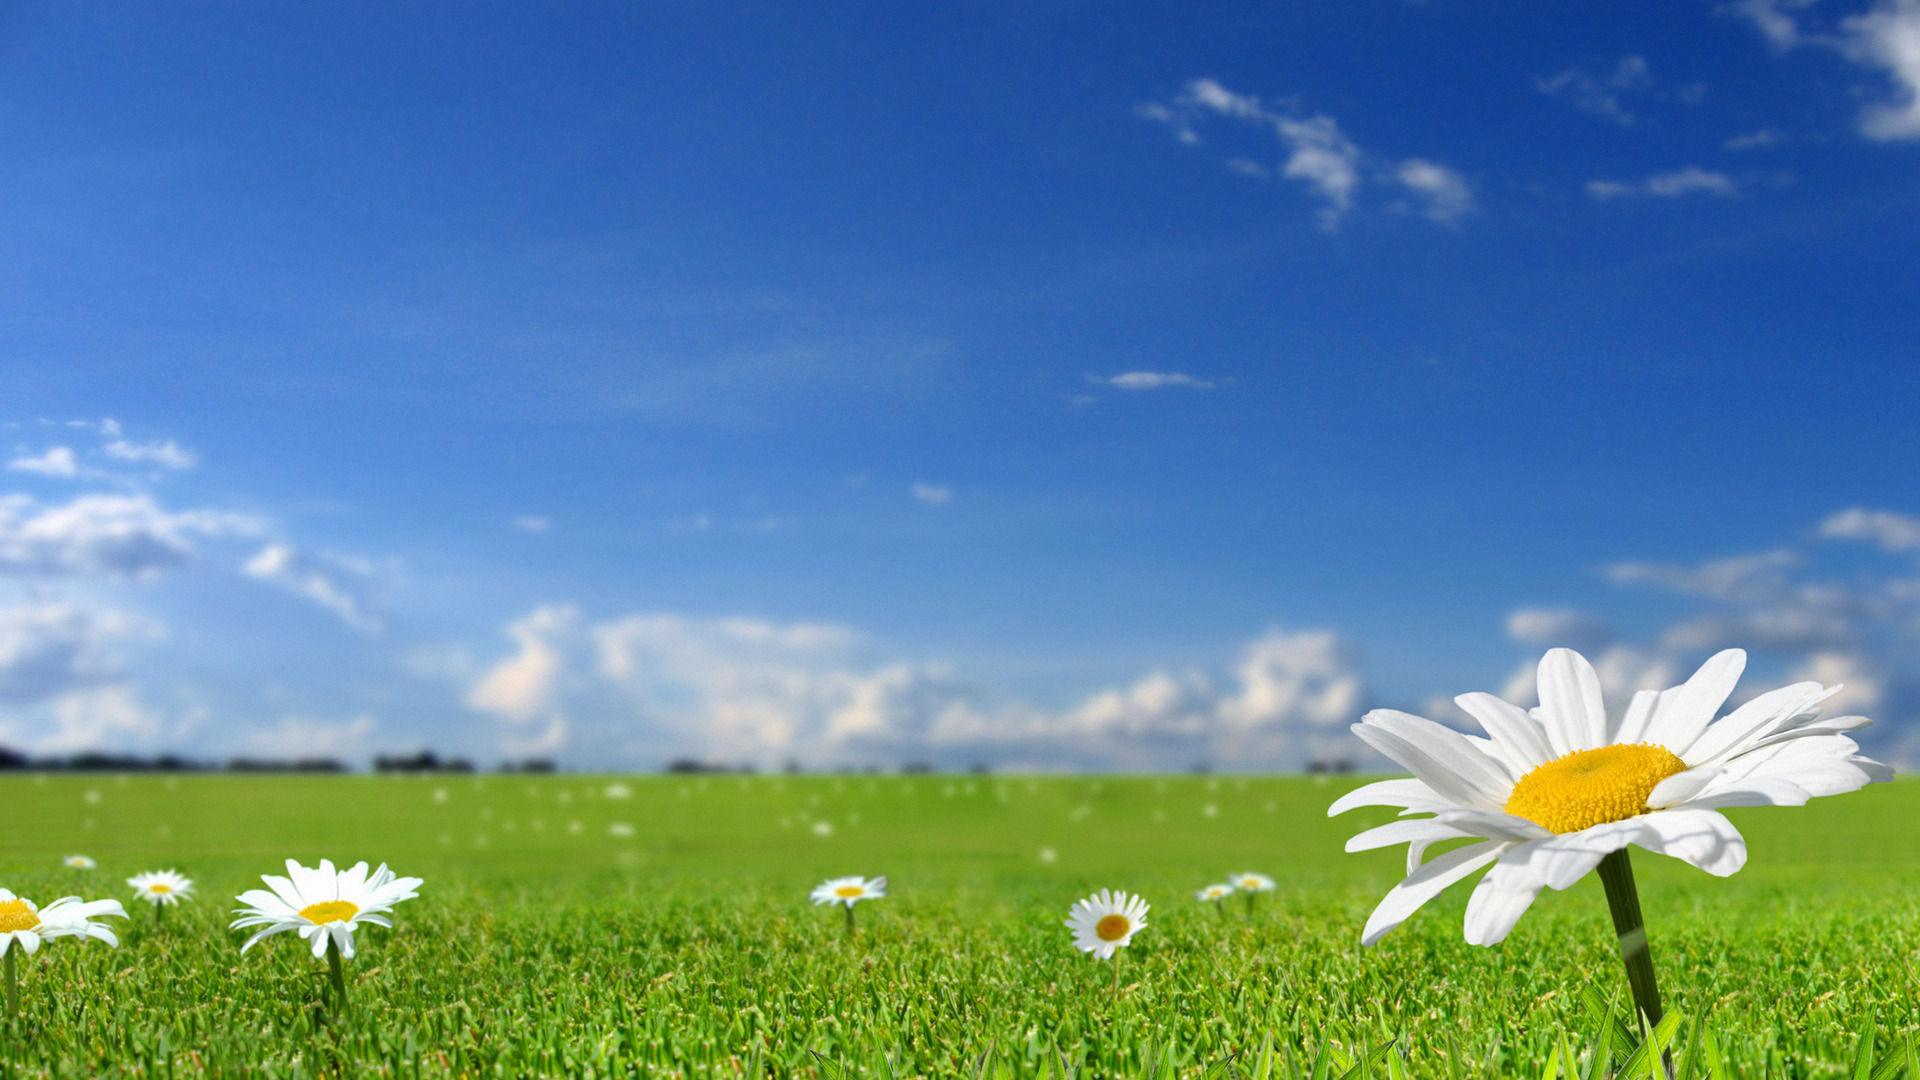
(425, 761)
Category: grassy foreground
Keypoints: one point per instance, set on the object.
(576, 926)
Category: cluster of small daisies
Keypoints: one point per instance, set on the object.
(323, 905)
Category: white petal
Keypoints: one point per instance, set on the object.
(1571, 708)
(343, 935)
(1494, 825)
(1410, 794)
(1426, 883)
(1754, 720)
(1498, 902)
(1406, 831)
(1441, 757)
(29, 941)
(1509, 725)
(1680, 787)
(1565, 859)
(1633, 724)
(318, 939)
(1701, 837)
(1684, 712)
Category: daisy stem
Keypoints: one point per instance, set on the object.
(1116, 974)
(13, 987)
(849, 920)
(338, 976)
(1616, 873)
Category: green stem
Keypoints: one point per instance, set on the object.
(1250, 896)
(13, 987)
(849, 920)
(1116, 974)
(338, 975)
(159, 915)
(1616, 873)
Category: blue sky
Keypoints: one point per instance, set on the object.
(1053, 385)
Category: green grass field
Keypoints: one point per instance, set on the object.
(574, 926)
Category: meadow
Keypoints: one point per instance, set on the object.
(658, 926)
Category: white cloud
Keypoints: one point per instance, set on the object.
(931, 494)
(1318, 153)
(1445, 192)
(750, 689)
(168, 454)
(1892, 532)
(1774, 18)
(304, 576)
(1598, 94)
(51, 648)
(1151, 380)
(1545, 628)
(125, 536)
(1755, 140)
(1670, 185)
(532, 523)
(110, 716)
(1888, 37)
(58, 461)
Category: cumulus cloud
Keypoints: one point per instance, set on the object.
(1597, 93)
(1884, 39)
(1151, 380)
(307, 576)
(654, 685)
(57, 461)
(1317, 153)
(122, 536)
(1691, 180)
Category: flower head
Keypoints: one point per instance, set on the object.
(69, 916)
(158, 887)
(849, 890)
(1214, 893)
(1251, 882)
(1106, 922)
(323, 904)
(1552, 791)
(78, 862)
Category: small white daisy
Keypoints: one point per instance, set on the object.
(159, 887)
(1252, 882)
(69, 916)
(849, 890)
(78, 862)
(323, 905)
(1213, 894)
(1105, 922)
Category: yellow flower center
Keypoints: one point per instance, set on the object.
(327, 911)
(159, 887)
(1592, 787)
(17, 915)
(848, 892)
(1112, 927)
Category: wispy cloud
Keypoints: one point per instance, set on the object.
(1150, 380)
(167, 454)
(1755, 140)
(1318, 154)
(532, 523)
(1597, 93)
(931, 494)
(123, 536)
(57, 461)
(1691, 180)
(314, 579)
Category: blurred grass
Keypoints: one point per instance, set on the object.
(547, 941)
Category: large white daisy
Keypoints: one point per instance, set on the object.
(159, 887)
(323, 904)
(1106, 922)
(24, 924)
(849, 890)
(1552, 791)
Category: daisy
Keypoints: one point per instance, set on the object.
(78, 862)
(849, 891)
(1105, 923)
(324, 906)
(1252, 885)
(1553, 793)
(1213, 894)
(27, 925)
(161, 888)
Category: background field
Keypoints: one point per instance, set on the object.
(577, 925)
